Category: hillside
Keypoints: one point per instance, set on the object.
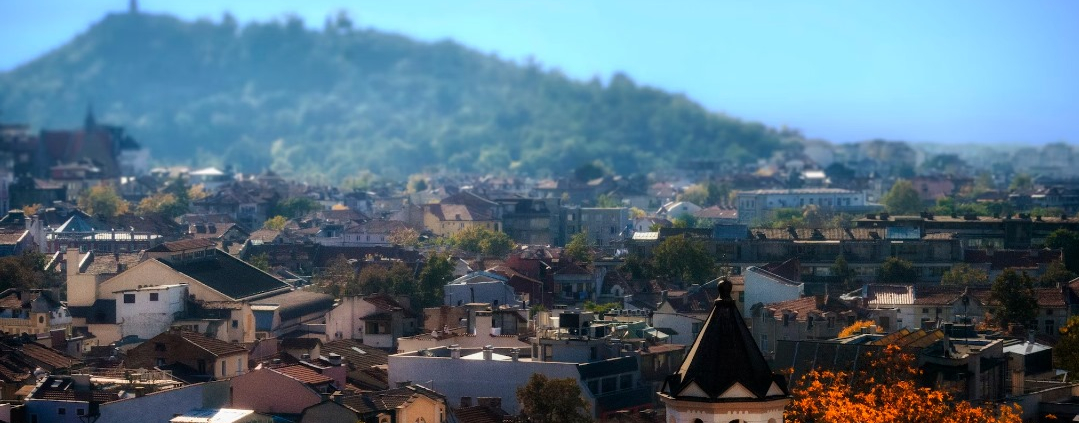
(323, 105)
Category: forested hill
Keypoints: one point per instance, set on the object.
(329, 103)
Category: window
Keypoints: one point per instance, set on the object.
(61, 411)
(235, 324)
(224, 365)
(80, 412)
(129, 298)
(1049, 326)
(153, 296)
(925, 311)
(1049, 312)
(625, 381)
(609, 385)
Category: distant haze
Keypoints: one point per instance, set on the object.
(978, 71)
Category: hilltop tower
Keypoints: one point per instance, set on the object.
(725, 378)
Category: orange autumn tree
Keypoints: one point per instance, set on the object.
(884, 391)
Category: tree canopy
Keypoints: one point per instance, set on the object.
(553, 400)
(477, 239)
(683, 259)
(884, 391)
(322, 105)
(1015, 293)
(102, 200)
(897, 270)
(963, 274)
(902, 199)
(578, 248)
(1068, 241)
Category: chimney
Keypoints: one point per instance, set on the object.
(493, 403)
(1030, 336)
(466, 402)
(455, 351)
(305, 356)
(334, 359)
(72, 259)
(515, 354)
(336, 397)
(488, 352)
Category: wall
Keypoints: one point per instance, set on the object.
(288, 396)
(764, 288)
(164, 405)
(679, 322)
(145, 318)
(456, 378)
(425, 408)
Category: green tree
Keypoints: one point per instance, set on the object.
(579, 249)
(163, 203)
(1068, 242)
(902, 199)
(102, 200)
(25, 271)
(1066, 351)
(476, 239)
(843, 272)
(685, 220)
(294, 207)
(1021, 182)
(963, 274)
(589, 171)
(1056, 274)
(1015, 293)
(337, 279)
(417, 183)
(609, 201)
(404, 236)
(897, 270)
(436, 273)
(275, 223)
(682, 259)
(261, 261)
(553, 400)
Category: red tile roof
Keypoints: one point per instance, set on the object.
(214, 346)
(303, 374)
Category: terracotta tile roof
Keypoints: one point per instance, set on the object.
(182, 245)
(303, 374)
(1050, 297)
(41, 354)
(387, 400)
(12, 237)
(366, 364)
(477, 414)
(386, 304)
(105, 264)
(889, 294)
(937, 295)
(214, 346)
(265, 235)
(832, 234)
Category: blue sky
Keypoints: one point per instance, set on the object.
(956, 71)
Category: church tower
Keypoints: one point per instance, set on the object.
(725, 378)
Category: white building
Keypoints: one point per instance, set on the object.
(375, 320)
(756, 206)
(149, 310)
(764, 287)
(480, 287)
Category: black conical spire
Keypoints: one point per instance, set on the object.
(724, 355)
